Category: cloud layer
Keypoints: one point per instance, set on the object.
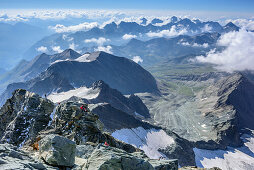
(238, 54)
(80, 27)
(168, 33)
(128, 36)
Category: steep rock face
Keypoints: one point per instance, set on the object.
(23, 116)
(114, 119)
(238, 91)
(232, 112)
(117, 100)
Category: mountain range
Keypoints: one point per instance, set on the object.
(69, 70)
(113, 33)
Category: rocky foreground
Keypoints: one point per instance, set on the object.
(35, 134)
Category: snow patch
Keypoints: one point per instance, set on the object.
(84, 58)
(82, 92)
(240, 158)
(57, 61)
(148, 140)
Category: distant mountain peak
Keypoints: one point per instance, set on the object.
(231, 27)
(144, 21)
(174, 19)
(156, 21)
(69, 52)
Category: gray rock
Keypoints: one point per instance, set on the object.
(23, 116)
(84, 151)
(57, 150)
(104, 157)
(13, 158)
(164, 164)
(197, 168)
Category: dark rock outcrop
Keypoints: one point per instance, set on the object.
(23, 116)
(114, 119)
(131, 105)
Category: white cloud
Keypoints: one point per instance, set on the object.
(100, 41)
(185, 44)
(57, 49)
(137, 59)
(205, 45)
(42, 49)
(72, 46)
(128, 36)
(74, 28)
(206, 28)
(244, 23)
(168, 33)
(238, 54)
(106, 49)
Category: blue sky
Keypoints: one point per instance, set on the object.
(193, 5)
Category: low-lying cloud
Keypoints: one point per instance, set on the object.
(57, 49)
(137, 59)
(205, 45)
(168, 33)
(74, 28)
(42, 49)
(238, 54)
(243, 23)
(128, 36)
(100, 41)
(107, 49)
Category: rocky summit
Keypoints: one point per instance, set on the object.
(35, 134)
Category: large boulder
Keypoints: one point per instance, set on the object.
(105, 157)
(23, 116)
(57, 150)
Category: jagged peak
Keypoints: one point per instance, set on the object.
(174, 19)
(230, 24)
(69, 51)
(99, 84)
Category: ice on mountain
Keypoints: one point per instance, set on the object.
(148, 140)
(82, 92)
